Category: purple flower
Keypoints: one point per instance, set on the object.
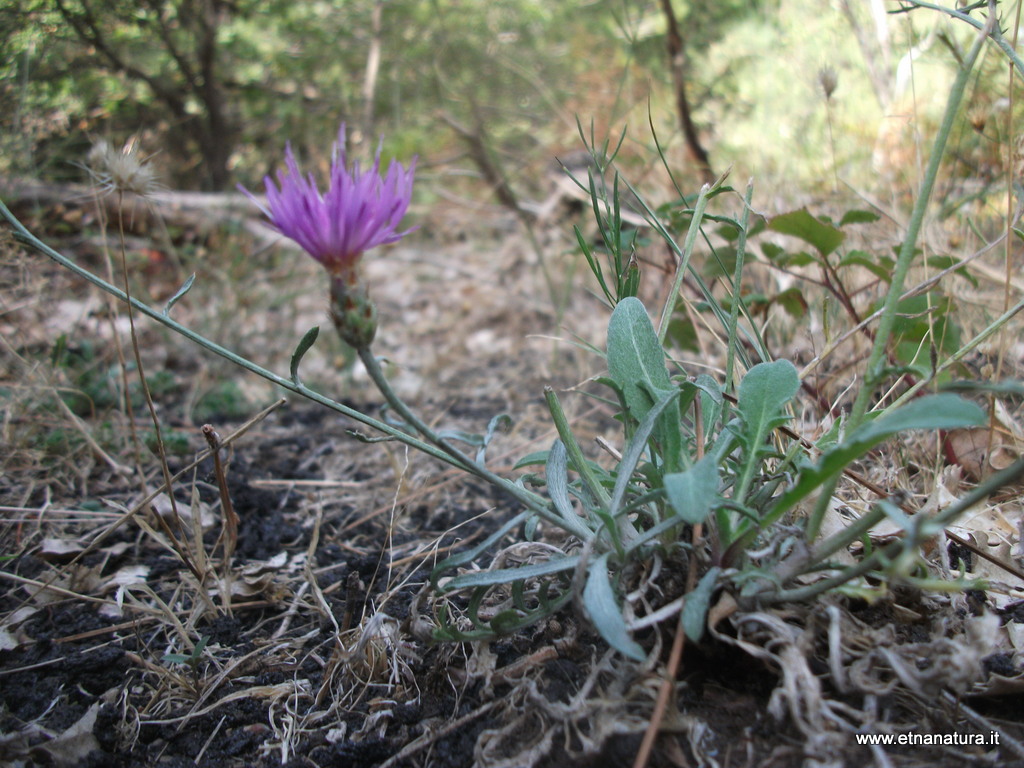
(359, 210)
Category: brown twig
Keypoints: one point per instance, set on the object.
(166, 487)
(675, 656)
(229, 532)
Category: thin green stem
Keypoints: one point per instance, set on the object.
(875, 370)
(684, 259)
(435, 447)
(997, 37)
(22, 235)
(531, 500)
(848, 535)
(737, 298)
(376, 373)
(892, 551)
(832, 144)
(961, 353)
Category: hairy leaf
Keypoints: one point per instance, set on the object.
(467, 556)
(695, 609)
(558, 489)
(764, 393)
(692, 493)
(635, 356)
(636, 362)
(605, 613)
(500, 423)
(304, 344)
(509, 575)
(185, 288)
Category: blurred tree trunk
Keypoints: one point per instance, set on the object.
(677, 64)
(187, 31)
(372, 66)
(215, 135)
(875, 48)
(478, 145)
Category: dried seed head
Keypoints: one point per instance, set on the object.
(120, 171)
(829, 80)
(978, 118)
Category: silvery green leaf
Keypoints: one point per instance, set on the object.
(943, 411)
(556, 472)
(764, 393)
(692, 493)
(605, 613)
(635, 356)
(185, 288)
(695, 609)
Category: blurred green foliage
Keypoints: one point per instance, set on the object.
(213, 84)
(215, 87)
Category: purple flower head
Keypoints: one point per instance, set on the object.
(359, 210)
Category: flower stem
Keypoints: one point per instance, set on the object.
(22, 235)
(456, 457)
(684, 258)
(892, 551)
(434, 446)
(875, 369)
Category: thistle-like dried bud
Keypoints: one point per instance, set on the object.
(828, 78)
(121, 171)
(978, 118)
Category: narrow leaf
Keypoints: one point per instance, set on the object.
(605, 613)
(695, 609)
(500, 423)
(558, 489)
(462, 558)
(634, 450)
(469, 438)
(575, 453)
(711, 402)
(304, 344)
(509, 575)
(1006, 387)
(943, 411)
(357, 435)
(185, 288)
(531, 460)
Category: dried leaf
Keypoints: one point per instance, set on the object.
(59, 550)
(73, 746)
